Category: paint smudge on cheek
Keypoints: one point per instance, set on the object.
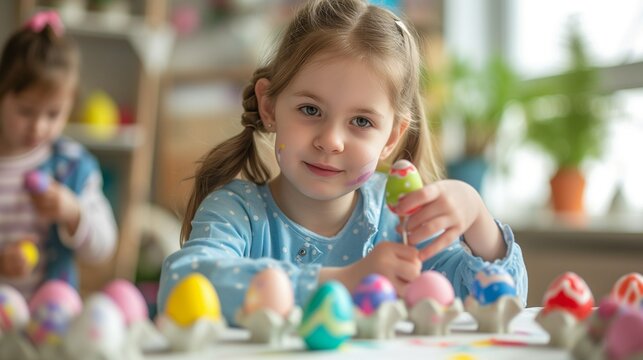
(365, 173)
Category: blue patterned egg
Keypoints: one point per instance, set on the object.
(328, 317)
(491, 283)
(373, 291)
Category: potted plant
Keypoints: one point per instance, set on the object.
(566, 118)
(475, 99)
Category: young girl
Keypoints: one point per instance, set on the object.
(38, 78)
(340, 94)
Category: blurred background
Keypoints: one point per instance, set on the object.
(538, 105)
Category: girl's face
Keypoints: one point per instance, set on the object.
(333, 122)
(33, 117)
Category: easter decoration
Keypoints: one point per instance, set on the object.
(403, 178)
(567, 304)
(192, 316)
(377, 308)
(37, 182)
(493, 301)
(98, 332)
(141, 332)
(590, 343)
(623, 340)
(432, 304)
(30, 253)
(628, 290)
(100, 113)
(14, 317)
(269, 310)
(328, 318)
(52, 308)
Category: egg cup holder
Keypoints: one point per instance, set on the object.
(429, 317)
(381, 323)
(142, 335)
(13, 345)
(195, 337)
(495, 317)
(564, 328)
(268, 327)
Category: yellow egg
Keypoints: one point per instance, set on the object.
(30, 252)
(270, 289)
(101, 112)
(193, 298)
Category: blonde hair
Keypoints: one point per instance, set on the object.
(349, 28)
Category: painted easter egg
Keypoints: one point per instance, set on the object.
(49, 323)
(193, 298)
(623, 338)
(14, 312)
(628, 289)
(491, 283)
(36, 181)
(373, 291)
(402, 179)
(30, 253)
(328, 317)
(57, 292)
(98, 331)
(129, 300)
(569, 293)
(430, 285)
(270, 289)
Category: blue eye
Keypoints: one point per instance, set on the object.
(361, 122)
(309, 110)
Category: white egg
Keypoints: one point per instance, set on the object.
(99, 330)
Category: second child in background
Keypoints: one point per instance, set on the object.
(340, 95)
(69, 218)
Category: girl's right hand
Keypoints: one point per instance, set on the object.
(13, 263)
(397, 262)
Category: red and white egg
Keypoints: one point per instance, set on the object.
(628, 289)
(14, 312)
(430, 285)
(270, 289)
(569, 293)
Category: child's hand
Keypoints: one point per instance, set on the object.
(13, 262)
(397, 262)
(455, 208)
(58, 204)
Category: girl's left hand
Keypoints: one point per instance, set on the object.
(58, 204)
(450, 206)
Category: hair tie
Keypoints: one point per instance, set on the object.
(42, 19)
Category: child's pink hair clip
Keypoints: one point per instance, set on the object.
(40, 20)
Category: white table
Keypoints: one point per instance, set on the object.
(526, 341)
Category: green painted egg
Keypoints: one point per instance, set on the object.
(328, 317)
(402, 179)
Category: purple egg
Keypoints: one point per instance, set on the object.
(373, 291)
(36, 181)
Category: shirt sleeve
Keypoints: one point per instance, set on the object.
(219, 248)
(95, 237)
(460, 266)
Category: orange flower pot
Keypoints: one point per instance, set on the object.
(567, 191)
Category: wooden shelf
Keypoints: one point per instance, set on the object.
(125, 138)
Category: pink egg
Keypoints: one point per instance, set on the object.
(270, 289)
(623, 339)
(128, 299)
(57, 292)
(629, 289)
(569, 293)
(430, 285)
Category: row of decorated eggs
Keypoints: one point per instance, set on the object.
(56, 309)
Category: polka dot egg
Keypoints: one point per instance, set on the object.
(373, 291)
(491, 283)
(328, 317)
